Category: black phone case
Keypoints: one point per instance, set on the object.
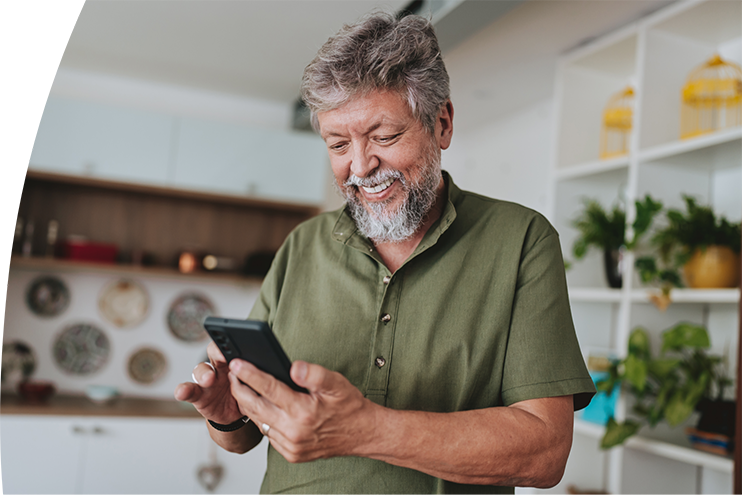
(252, 341)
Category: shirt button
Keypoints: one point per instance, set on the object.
(386, 280)
(380, 361)
(386, 318)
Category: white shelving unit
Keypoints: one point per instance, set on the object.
(654, 55)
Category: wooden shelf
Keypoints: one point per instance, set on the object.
(159, 222)
(70, 266)
(663, 449)
(78, 405)
(173, 192)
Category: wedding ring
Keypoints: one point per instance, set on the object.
(266, 428)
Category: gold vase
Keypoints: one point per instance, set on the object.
(715, 268)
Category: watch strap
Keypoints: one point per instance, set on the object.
(231, 426)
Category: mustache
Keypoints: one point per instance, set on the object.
(375, 179)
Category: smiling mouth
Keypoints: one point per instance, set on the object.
(379, 187)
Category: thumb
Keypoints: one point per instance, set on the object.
(313, 377)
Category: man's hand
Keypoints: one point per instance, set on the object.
(211, 395)
(334, 419)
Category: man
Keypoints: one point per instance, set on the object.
(430, 325)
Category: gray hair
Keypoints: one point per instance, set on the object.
(379, 52)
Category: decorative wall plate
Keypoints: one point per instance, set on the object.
(186, 316)
(47, 296)
(147, 365)
(81, 349)
(19, 362)
(124, 303)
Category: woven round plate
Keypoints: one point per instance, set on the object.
(81, 349)
(186, 316)
(124, 303)
(47, 296)
(147, 365)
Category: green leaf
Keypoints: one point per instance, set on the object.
(617, 433)
(639, 343)
(685, 335)
(678, 409)
(635, 372)
(645, 212)
(606, 385)
(661, 368)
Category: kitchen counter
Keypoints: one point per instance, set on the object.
(68, 405)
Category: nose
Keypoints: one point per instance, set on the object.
(363, 162)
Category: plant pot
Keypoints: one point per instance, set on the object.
(613, 263)
(715, 268)
(717, 416)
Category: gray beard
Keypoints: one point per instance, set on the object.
(383, 224)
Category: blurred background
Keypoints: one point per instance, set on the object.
(174, 156)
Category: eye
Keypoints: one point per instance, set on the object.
(337, 147)
(387, 139)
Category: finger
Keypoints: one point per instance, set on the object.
(263, 383)
(215, 355)
(204, 374)
(188, 392)
(314, 377)
(257, 408)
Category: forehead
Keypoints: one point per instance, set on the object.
(366, 113)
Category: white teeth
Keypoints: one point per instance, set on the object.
(380, 187)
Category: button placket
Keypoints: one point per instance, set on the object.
(384, 339)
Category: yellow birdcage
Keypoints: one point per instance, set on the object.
(617, 118)
(712, 98)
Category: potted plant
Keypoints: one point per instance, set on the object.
(705, 248)
(667, 387)
(607, 231)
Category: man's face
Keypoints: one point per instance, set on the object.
(385, 163)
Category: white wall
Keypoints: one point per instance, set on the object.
(507, 158)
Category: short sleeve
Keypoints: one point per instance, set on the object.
(543, 357)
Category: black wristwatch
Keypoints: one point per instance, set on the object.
(231, 426)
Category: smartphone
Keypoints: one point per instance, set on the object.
(252, 341)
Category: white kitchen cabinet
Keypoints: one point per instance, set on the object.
(654, 55)
(120, 144)
(82, 138)
(76, 454)
(244, 161)
(41, 454)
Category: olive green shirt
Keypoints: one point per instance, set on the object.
(477, 317)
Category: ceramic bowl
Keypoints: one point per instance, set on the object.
(101, 394)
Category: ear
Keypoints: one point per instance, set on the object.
(444, 125)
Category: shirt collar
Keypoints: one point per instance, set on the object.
(345, 229)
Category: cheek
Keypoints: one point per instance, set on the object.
(339, 170)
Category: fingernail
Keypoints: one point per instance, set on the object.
(234, 365)
(301, 370)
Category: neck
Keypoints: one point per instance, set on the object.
(394, 254)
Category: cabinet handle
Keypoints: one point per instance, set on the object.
(78, 430)
(98, 430)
